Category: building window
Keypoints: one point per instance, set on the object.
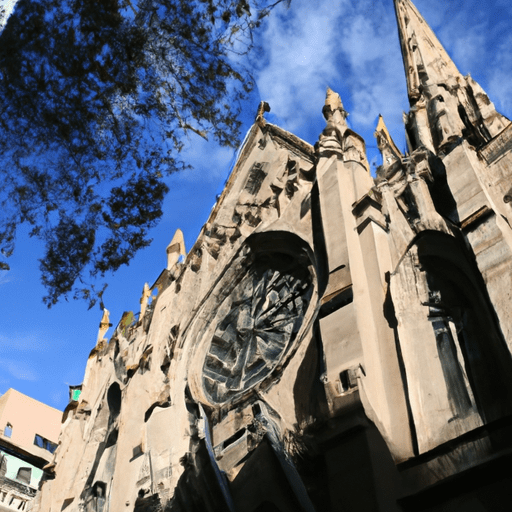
(24, 475)
(8, 430)
(44, 443)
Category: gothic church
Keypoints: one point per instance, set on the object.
(332, 341)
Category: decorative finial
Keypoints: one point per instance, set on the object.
(104, 325)
(146, 294)
(333, 103)
(175, 249)
(389, 151)
(262, 108)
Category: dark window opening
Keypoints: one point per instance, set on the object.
(348, 380)
(114, 400)
(235, 437)
(24, 475)
(8, 430)
(112, 438)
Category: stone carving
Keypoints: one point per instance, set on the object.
(444, 118)
(255, 179)
(262, 108)
(419, 70)
(267, 307)
(96, 499)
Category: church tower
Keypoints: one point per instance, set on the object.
(333, 341)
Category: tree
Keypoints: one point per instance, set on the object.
(95, 100)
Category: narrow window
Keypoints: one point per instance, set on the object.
(39, 441)
(8, 430)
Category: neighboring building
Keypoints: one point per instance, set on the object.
(332, 342)
(29, 432)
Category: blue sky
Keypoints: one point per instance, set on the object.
(350, 46)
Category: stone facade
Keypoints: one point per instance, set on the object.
(332, 341)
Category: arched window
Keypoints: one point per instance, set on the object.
(473, 354)
(114, 400)
(455, 361)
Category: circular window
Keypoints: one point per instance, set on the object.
(265, 311)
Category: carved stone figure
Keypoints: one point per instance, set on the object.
(442, 119)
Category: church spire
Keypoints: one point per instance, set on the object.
(425, 60)
(446, 107)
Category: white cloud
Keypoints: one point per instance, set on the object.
(7, 6)
(351, 47)
(301, 59)
(377, 78)
(210, 161)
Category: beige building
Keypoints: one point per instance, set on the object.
(29, 432)
(333, 341)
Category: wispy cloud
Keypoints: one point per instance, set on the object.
(24, 342)
(353, 47)
(300, 59)
(350, 47)
(210, 161)
(377, 80)
(20, 370)
(500, 83)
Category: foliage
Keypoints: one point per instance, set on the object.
(95, 100)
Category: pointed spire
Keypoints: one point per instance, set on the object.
(330, 141)
(333, 109)
(175, 249)
(104, 325)
(144, 300)
(333, 100)
(426, 62)
(389, 151)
